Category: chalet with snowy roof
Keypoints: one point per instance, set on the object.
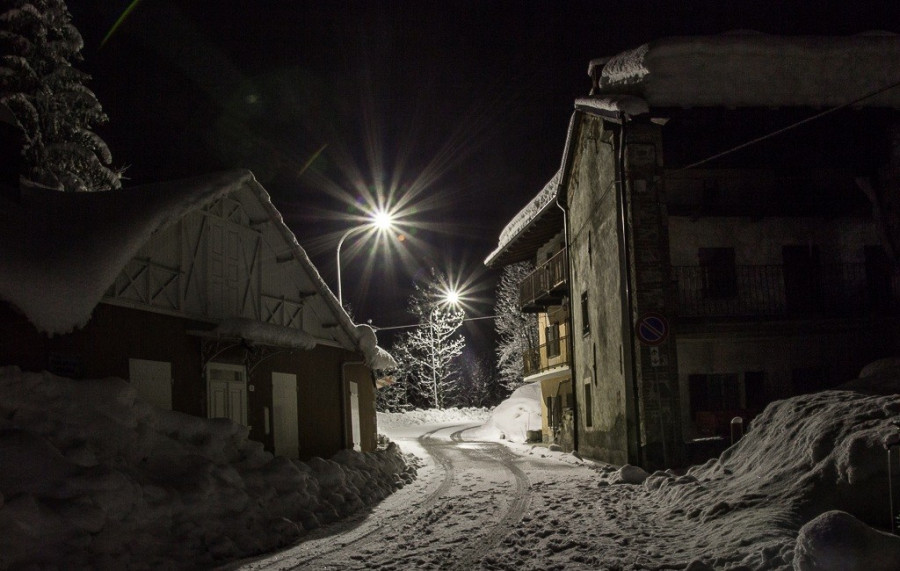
(535, 235)
(198, 294)
(732, 230)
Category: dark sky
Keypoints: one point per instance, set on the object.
(462, 107)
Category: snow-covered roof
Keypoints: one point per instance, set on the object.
(59, 252)
(749, 69)
(544, 200)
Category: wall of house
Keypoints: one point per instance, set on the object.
(785, 358)
(104, 346)
(758, 241)
(655, 358)
(116, 334)
(598, 367)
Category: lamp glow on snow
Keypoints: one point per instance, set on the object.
(379, 221)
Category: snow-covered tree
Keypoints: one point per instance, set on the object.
(427, 355)
(393, 397)
(517, 332)
(478, 384)
(49, 99)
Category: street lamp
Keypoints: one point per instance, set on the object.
(380, 220)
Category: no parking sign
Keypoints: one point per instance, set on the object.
(652, 328)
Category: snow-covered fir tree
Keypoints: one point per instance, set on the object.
(393, 397)
(427, 355)
(517, 332)
(478, 384)
(49, 99)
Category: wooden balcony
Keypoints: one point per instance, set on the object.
(546, 286)
(551, 355)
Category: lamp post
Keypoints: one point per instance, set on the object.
(381, 220)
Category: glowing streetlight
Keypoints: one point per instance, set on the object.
(380, 220)
(451, 297)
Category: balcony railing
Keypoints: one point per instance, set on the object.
(775, 290)
(551, 355)
(546, 285)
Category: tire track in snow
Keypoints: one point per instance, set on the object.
(521, 499)
(358, 538)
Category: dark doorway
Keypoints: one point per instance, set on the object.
(802, 279)
(878, 278)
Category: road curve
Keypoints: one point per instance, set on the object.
(467, 498)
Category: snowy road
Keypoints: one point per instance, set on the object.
(469, 496)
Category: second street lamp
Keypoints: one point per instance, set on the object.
(381, 220)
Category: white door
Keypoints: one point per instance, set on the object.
(227, 389)
(354, 414)
(153, 381)
(284, 406)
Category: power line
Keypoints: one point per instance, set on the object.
(377, 328)
(793, 125)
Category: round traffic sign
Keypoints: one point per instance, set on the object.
(652, 328)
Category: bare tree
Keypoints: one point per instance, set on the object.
(427, 354)
(517, 331)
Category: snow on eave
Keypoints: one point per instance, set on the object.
(545, 199)
(254, 332)
(613, 104)
(746, 69)
(59, 252)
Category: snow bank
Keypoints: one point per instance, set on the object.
(93, 477)
(513, 418)
(801, 457)
(837, 541)
(432, 416)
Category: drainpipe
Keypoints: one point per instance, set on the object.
(627, 293)
(562, 205)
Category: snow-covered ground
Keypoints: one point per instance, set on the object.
(93, 478)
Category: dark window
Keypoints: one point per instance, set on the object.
(718, 272)
(802, 278)
(585, 321)
(588, 406)
(550, 411)
(755, 390)
(551, 333)
(710, 393)
(807, 380)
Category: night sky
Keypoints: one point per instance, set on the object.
(460, 107)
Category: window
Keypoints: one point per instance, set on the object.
(588, 406)
(549, 404)
(718, 273)
(551, 333)
(710, 393)
(755, 390)
(585, 321)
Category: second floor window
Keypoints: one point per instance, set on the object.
(585, 320)
(718, 273)
(551, 333)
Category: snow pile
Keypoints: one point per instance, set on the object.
(513, 418)
(769, 502)
(419, 416)
(836, 541)
(92, 477)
